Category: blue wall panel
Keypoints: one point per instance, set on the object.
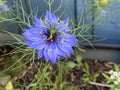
(6, 25)
(84, 5)
(110, 29)
(64, 8)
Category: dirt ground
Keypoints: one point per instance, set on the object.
(75, 75)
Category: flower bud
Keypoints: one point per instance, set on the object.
(104, 3)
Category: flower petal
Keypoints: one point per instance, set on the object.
(45, 53)
(65, 48)
(36, 22)
(51, 19)
(4, 7)
(52, 53)
(40, 54)
(59, 51)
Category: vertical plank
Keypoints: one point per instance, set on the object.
(84, 5)
(84, 17)
(7, 25)
(67, 8)
(80, 7)
(63, 6)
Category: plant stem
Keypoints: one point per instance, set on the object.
(99, 84)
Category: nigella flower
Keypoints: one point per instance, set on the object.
(4, 7)
(50, 37)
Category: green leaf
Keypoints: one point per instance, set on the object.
(117, 67)
(33, 84)
(86, 80)
(71, 65)
(96, 75)
(106, 76)
(87, 68)
(78, 58)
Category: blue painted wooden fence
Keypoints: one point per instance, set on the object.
(109, 30)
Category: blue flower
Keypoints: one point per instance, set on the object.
(50, 37)
(4, 7)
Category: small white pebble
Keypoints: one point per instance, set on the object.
(72, 79)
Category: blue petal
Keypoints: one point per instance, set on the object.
(41, 45)
(36, 22)
(4, 7)
(51, 19)
(70, 27)
(58, 58)
(27, 34)
(45, 53)
(48, 16)
(65, 48)
(66, 22)
(70, 39)
(47, 24)
(28, 42)
(62, 29)
(52, 53)
(33, 37)
(55, 18)
(59, 51)
(40, 54)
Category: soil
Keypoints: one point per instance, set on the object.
(75, 75)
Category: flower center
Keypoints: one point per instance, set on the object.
(52, 33)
